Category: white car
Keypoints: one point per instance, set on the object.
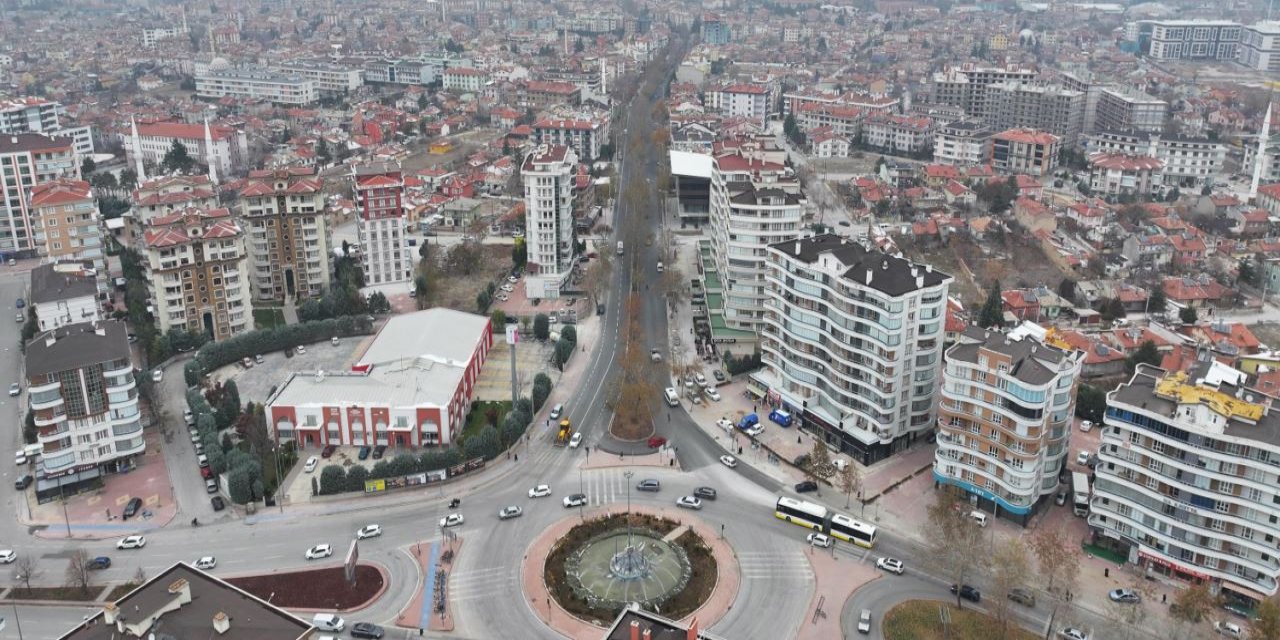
(157, 375)
(712, 394)
(575, 500)
(319, 551)
(655, 355)
(729, 461)
(688, 502)
(540, 491)
(189, 418)
(556, 412)
(300, 350)
(451, 520)
(369, 531)
(14, 390)
(132, 542)
(892, 565)
(7, 556)
(700, 379)
(510, 512)
(206, 563)
(819, 540)
(755, 431)
(575, 440)
(1224, 628)
(864, 621)
(1072, 633)
(1082, 458)
(1086, 425)
(311, 464)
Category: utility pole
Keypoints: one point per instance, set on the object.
(513, 337)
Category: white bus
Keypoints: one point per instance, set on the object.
(850, 530)
(805, 514)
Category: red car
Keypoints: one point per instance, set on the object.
(657, 441)
(328, 451)
(206, 472)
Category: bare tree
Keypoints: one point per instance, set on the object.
(78, 572)
(851, 482)
(26, 569)
(1266, 622)
(1059, 567)
(957, 543)
(139, 576)
(818, 467)
(1010, 566)
(1190, 607)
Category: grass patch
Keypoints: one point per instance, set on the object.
(918, 620)
(65, 594)
(1103, 553)
(479, 418)
(268, 318)
(120, 591)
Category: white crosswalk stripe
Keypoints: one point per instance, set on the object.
(482, 583)
(767, 565)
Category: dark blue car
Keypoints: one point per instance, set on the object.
(100, 562)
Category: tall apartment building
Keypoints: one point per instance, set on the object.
(1187, 481)
(1189, 39)
(740, 101)
(1004, 423)
(1036, 105)
(1130, 110)
(28, 160)
(715, 31)
(584, 136)
(1028, 151)
(163, 195)
(1260, 47)
(548, 176)
(37, 115)
(754, 203)
(1092, 88)
(84, 399)
(1187, 163)
(196, 267)
(286, 234)
(253, 83)
(963, 143)
(384, 256)
(1270, 159)
(67, 229)
(851, 342)
(966, 86)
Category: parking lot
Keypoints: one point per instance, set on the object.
(256, 383)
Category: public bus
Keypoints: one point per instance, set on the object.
(818, 517)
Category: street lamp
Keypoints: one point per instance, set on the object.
(581, 503)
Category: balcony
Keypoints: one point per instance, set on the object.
(50, 403)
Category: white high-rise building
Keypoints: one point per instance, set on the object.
(548, 175)
(384, 257)
(1188, 480)
(851, 342)
(1260, 47)
(37, 115)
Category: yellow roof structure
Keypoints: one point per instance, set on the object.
(1176, 386)
(1052, 339)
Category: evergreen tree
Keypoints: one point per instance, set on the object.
(992, 314)
(1146, 354)
(177, 158)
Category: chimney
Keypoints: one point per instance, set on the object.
(869, 274)
(110, 613)
(635, 630)
(797, 247)
(928, 268)
(919, 282)
(221, 623)
(49, 340)
(182, 589)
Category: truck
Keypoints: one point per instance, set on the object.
(619, 247)
(562, 438)
(1079, 494)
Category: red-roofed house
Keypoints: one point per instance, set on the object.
(1033, 215)
(1251, 223)
(1115, 174)
(1100, 359)
(1203, 293)
(1269, 198)
(827, 144)
(1087, 215)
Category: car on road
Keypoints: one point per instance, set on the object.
(575, 500)
(656, 441)
(99, 563)
(556, 412)
(575, 441)
(7, 556)
(688, 502)
(892, 565)
(540, 491)
(131, 542)
(1072, 633)
(206, 563)
(14, 390)
(363, 453)
(327, 451)
(729, 461)
(655, 355)
(379, 451)
(247, 362)
(131, 507)
(819, 540)
(706, 493)
(369, 531)
(451, 520)
(1127, 596)
(1223, 627)
(967, 592)
(319, 551)
(300, 350)
(864, 621)
(648, 484)
(712, 394)
(1022, 596)
(806, 486)
(510, 512)
(367, 630)
(157, 376)
(217, 503)
(23, 482)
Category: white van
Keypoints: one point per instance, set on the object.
(673, 397)
(659, 266)
(979, 517)
(328, 622)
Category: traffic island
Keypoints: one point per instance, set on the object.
(429, 608)
(579, 574)
(924, 620)
(324, 589)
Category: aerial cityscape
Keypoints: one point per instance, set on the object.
(640, 319)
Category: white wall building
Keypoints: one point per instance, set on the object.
(740, 100)
(37, 115)
(257, 84)
(1187, 162)
(63, 295)
(548, 176)
(229, 152)
(1260, 47)
(962, 143)
(384, 256)
(331, 79)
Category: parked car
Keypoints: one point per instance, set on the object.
(706, 493)
(364, 452)
(892, 565)
(131, 542)
(1072, 633)
(22, 320)
(1127, 596)
(1086, 425)
(210, 485)
(7, 556)
(700, 379)
(806, 486)
(157, 376)
(319, 551)
(1082, 458)
(819, 540)
(556, 412)
(967, 592)
(1022, 596)
(689, 502)
(718, 375)
(311, 464)
(217, 503)
(369, 531)
(655, 355)
(367, 630)
(334, 341)
(131, 507)
(575, 500)
(712, 394)
(247, 362)
(379, 451)
(15, 390)
(258, 358)
(327, 451)
(301, 350)
(1228, 629)
(510, 512)
(21, 303)
(23, 482)
(648, 484)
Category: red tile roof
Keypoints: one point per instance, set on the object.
(183, 131)
(59, 192)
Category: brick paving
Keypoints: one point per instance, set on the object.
(836, 576)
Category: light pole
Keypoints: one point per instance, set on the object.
(582, 503)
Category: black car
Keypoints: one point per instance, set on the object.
(378, 451)
(649, 484)
(806, 486)
(706, 493)
(22, 483)
(967, 592)
(218, 504)
(364, 452)
(600, 309)
(719, 375)
(132, 507)
(366, 630)
(327, 452)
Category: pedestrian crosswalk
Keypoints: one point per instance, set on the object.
(489, 583)
(775, 566)
(606, 486)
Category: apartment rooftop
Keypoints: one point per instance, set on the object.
(1246, 415)
(51, 282)
(864, 266)
(1030, 360)
(76, 345)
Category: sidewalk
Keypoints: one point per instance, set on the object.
(836, 576)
